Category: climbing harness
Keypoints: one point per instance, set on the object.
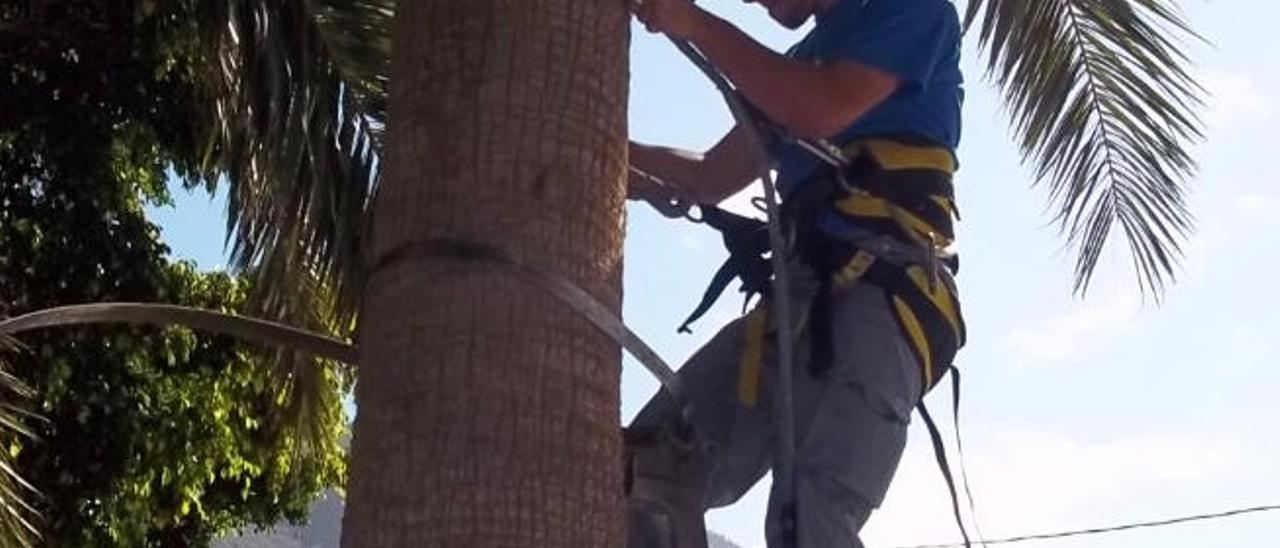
(854, 225)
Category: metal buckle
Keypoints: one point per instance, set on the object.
(931, 255)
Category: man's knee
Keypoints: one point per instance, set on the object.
(827, 513)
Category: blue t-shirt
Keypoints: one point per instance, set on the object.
(917, 40)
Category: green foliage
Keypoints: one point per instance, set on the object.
(16, 521)
(151, 437)
(296, 98)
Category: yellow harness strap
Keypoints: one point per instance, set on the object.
(938, 294)
(854, 270)
(752, 356)
(916, 334)
(892, 155)
(863, 204)
(928, 312)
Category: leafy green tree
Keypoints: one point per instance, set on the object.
(148, 437)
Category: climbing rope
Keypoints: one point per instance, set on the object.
(784, 418)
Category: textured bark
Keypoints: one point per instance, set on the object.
(488, 412)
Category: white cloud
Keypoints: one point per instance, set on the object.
(1033, 481)
(1257, 203)
(1075, 332)
(1235, 99)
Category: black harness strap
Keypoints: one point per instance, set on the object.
(940, 454)
(964, 474)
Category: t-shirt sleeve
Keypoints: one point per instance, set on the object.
(905, 37)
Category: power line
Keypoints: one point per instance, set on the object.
(1111, 529)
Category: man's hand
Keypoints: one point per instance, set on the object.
(678, 19)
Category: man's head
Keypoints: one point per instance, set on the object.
(793, 13)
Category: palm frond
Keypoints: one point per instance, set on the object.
(357, 37)
(300, 106)
(1105, 109)
(18, 515)
(304, 363)
(249, 329)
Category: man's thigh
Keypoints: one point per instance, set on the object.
(851, 422)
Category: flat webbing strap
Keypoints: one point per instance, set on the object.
(940, 454)
(964, 474)
(591, 309)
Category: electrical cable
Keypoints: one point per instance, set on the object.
(1113, 528)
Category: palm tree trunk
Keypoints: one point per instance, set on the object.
(488, 412)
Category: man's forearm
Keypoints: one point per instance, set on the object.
(675, 167)
(705, 178)
(769, 81)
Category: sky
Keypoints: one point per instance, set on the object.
(1077, 412)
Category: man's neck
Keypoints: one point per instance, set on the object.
(824, 5)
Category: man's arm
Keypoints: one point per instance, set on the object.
(704, 178)
(811, 100)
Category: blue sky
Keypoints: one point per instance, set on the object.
(1077, 412)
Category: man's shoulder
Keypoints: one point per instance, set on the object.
(924, 11)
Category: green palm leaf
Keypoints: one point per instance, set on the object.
(300, 92)
(17, 516)
(304, 360)
(273, 334)
(1104, 108)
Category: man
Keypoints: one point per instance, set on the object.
(879, 78)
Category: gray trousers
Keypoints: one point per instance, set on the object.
(850, 423)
